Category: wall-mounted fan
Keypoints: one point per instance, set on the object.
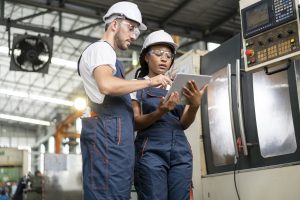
(31, 53)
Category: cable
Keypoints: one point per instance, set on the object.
(234, 176)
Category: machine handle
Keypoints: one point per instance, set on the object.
(278, 70)
(230, 109)
(240, 109)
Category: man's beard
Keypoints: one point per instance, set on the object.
(120, 43)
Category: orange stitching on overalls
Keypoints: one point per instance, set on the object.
(144, 146)
(119, 130)
(106, 161)
(191, 193)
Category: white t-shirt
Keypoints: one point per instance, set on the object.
(97, 54)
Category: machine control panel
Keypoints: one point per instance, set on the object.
(272, 44)
(270, 31)
(266, 14)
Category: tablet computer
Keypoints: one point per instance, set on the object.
(181, 80)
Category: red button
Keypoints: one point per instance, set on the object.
(249, 52)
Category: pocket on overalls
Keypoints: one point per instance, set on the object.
(154, 94)
(93, 156)
(140, 146)
(113, 128)
(88, 132)
(144, 146)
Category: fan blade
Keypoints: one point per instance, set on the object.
(37, 62)
(40, 47)
(21, 58)
(25, 46)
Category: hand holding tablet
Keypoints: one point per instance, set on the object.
(181, 80)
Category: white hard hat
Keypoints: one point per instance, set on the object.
(159, 37)
(156, 37)
(125, 9)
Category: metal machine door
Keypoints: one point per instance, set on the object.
(249, 119)
(218, 121)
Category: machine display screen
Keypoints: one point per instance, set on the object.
(257, 16)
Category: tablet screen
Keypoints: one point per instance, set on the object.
(181, 80)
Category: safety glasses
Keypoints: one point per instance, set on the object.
(131, 28)
(161, 53)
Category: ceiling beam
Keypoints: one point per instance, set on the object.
(181, 46)
(183, 30)
(221, 22)
(85, 27)
(55, 6)
(174, 12)
(31, 16)
(8, 22)
(2, 8)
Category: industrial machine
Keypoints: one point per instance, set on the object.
(250, 129)
(13, 164)
(63, 177)
(247, 139)
(270, 32)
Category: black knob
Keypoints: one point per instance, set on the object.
(290, 32)
(270, 40)
(260, 43)
(279, 35)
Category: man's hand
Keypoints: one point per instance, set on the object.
(159, 80)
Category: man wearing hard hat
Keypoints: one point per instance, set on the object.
(107, 134)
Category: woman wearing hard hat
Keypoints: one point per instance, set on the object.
(163, 168)
(107, 132)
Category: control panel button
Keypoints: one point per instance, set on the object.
(260, 43)
(290, 32)
(249, 52)
(270, 40)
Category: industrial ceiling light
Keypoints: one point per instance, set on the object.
(25, 120)
(36, 97)
(80, 104)
(51, 100)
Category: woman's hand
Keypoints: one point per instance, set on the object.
(170, 103)
(193, 94)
